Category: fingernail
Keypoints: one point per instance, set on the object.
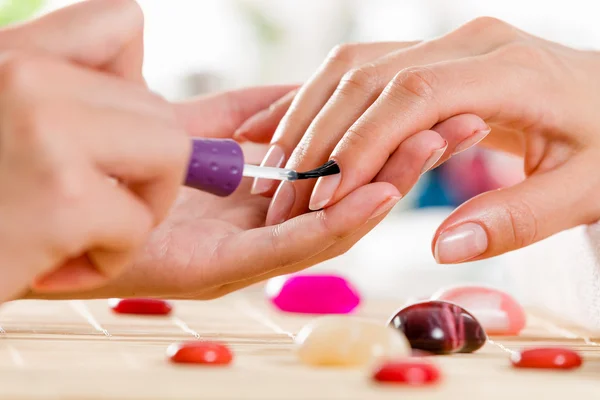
(471, 141)
(274, 158)
(281, 205)
(324, 191)
(385, 206)
(461, 243)
(433, 158)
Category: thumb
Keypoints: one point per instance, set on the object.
(220, 115)
(106, 34)
(500, 221)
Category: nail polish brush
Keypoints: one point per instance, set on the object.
(217, 166)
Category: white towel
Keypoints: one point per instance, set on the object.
(561, 275)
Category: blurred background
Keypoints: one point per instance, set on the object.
(199, 46)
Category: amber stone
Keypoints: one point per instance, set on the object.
(439, 327)
(409, 372)
(140, 306)
(348, 341)
(546, 358)
(200, 352)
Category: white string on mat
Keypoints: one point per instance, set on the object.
(14, 353)
(502, 347)
(562, 331)
(81, 309)
(184, 327)
(259, 316)
(552, 328)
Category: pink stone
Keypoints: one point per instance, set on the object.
(497, 312)
(312, 294)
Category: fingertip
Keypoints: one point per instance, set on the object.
(76, 275)
(365, 202)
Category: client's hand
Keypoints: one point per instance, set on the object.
(387, 112)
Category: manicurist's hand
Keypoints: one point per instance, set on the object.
(387, 112)
(90, 119)
(90, 161)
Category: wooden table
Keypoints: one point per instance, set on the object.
(82, 350)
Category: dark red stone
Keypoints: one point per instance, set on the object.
(546, 357)
(415, 373)
(439, 327)
(200, 352)
(140, 306)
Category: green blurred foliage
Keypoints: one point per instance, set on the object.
(12, 11)
(268, 31)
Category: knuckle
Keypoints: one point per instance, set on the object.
(417, 82)
(523, 222)
(342, 54)
(33, 124)
(333, 232)
(486, 23)
(67, 187)
(524, 53)
(364, 80)
(19, 74)
(355, 137)
(277, 238)
(130, 6)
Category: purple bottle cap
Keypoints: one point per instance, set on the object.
(216, 166)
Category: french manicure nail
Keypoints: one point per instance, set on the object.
(324, 190)
(385, 206)
(461, 243)
(281, 205)
(433, 158)
(471, 141)
(274, 158)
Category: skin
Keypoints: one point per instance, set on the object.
(91, 166)
(386, 112)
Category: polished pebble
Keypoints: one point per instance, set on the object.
(312, 294)
(348, 341)
(498, 312)
(200, 352)
(439, 327)
(409, 372)
(546, 358)
(140, 306)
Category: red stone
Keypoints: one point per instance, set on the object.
(415, 373)
(439, 327)
(200, 352)
(546, 357)
(140, 306)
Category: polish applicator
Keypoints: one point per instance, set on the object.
(217, 166)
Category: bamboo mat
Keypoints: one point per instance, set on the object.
(82, 350)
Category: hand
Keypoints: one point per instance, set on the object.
(105, 35)
(387, 112)
(210, 246)
(90, 161)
